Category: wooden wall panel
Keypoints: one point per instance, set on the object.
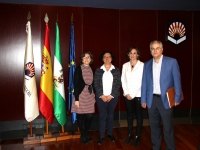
(101, 32)
(95, 30)
(182, 52)
(12, 48)
(196, 61)
(137, 28)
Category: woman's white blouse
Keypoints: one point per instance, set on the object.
(107, 80)
(132, 80)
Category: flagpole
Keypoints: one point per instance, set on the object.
(47, 137)
(59, 92)
(47, 127)
(31, 130)
(46, 20)
(72, 19)
(31, 104)
(63, 129)
(76, 134)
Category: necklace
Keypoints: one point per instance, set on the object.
(133, 64)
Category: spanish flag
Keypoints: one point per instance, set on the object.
(46, 81)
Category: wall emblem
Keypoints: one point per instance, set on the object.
(176, 32)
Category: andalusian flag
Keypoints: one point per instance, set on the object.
(46, 82)
(30, 89)
(72, 67)
(59, 90)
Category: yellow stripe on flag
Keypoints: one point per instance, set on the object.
(47, 75)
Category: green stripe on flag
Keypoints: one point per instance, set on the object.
(59, 91)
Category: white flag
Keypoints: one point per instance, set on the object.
(30, 89)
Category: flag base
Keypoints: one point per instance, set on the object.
(47, 135)
(29, 141)
(64, 136)
(77, 135)
(48, 138)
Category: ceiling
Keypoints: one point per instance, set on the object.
(119, 4)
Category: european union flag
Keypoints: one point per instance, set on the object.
(72, 67)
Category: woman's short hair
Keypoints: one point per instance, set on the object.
(130, 49)
(104, 52)
(83, 55)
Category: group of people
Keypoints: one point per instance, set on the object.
(144, 85)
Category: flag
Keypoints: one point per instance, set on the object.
(59, 101)
(30, 88)
(72, 67)
(46, 81)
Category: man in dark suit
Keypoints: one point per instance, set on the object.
(159, 74)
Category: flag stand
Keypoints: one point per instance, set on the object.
(47, 137)
(77, 134)
(64, 135)
(31, 139)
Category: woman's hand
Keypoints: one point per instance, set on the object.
(77, 104)
(109, 97)
(129, 97)
(104, 98)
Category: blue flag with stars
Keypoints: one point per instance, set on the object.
(72, 67)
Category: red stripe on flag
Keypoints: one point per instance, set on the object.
(46, 107)
(46, 39)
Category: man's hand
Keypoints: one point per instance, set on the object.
(176, 104)
(144, 105)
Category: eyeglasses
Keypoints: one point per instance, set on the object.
(87, 57)
(104, 57)
(153, 49)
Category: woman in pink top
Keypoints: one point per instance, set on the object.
(84, 95)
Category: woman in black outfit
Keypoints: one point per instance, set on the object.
(107, 82)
